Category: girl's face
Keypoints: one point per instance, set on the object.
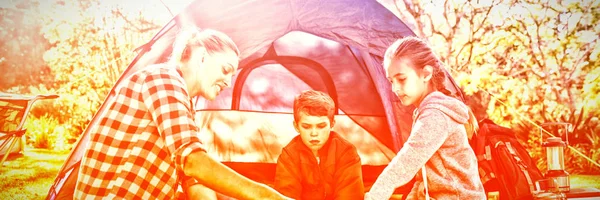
(212, 72)
(408, 82)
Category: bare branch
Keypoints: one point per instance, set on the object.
(531, 47)
(473, 32)
(434, 30)
(136, 26)
(518, 73)
(445, 13)
(413, 12)
(538, 39)
(487, 13)
(585, 56)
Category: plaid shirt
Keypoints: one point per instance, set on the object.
(138, 148)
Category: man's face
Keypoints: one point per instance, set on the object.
(314, 130)
(214, 72)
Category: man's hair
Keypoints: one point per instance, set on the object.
(314, 103)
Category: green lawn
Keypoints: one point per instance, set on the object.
(29, 175)
(579, 181)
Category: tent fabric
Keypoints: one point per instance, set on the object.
(351, 85)
(345, 38)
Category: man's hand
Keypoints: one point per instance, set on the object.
(222, 179)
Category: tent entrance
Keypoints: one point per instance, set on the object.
(310, 72)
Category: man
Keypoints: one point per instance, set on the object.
(145, 146)
(318, 163)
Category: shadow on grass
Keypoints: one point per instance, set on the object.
(29, 175)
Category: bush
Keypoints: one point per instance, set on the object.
(575, 163)
(45, 132)
(83, 58)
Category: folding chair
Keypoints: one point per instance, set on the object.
(13, 113)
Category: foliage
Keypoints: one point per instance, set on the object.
(87, 48)
(21, 47)
(528, 63)
(43, 133)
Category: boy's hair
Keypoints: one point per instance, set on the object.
(190, 37)
(416, 51)
(315, 103)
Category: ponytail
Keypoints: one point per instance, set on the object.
(472, 125)
(438, 79)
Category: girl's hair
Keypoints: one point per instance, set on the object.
(189, 38)
(420, 54)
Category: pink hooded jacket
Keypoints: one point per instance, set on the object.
(439, 141)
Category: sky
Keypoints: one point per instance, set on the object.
(155, 8)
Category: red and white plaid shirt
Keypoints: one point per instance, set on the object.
(138, 148)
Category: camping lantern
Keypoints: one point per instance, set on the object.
(555, 159)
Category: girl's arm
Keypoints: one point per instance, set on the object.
(428, 134)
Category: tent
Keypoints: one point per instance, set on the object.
(335, 46)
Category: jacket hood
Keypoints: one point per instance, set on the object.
(450, 106)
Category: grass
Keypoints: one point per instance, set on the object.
(29, 175)
(579, 181)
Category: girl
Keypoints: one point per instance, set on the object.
(438, 143)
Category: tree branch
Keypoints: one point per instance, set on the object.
(413, 12)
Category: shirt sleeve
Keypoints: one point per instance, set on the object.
(167, 100)
(287, 181)
(429, 132)
(348, 176)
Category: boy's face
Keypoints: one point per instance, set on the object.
(314, 130)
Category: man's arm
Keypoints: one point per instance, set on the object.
(167, 101)
(286, 176)
(222, 179)
(199, 192)
(348, 177)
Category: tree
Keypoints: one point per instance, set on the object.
(21, 47)
(89, 54)
(525, 61)
(86, 47)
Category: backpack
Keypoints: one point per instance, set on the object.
(504, 164)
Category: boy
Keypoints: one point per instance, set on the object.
(318, 163)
